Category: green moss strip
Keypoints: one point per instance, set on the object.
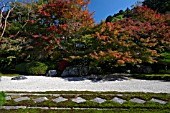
(87, 111)
(165, 77)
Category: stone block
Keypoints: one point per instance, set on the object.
(158, 101)
(21, 99)
(19, 78)
(118, 100)
(41, 99)
(59, 99)
(52, 73)
(137, 100)
(78, 100)
(98, 100)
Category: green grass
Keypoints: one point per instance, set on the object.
(10, 75)
(87, 111)
(2, 98)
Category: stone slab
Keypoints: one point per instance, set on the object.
(158, 101)
(59, 99)
(118, 100)
(21, 99)
(98, 100)
(8, 98)
(137, 100)
(41, 99)
(79, 100)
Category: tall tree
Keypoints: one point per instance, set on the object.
(60, 18)
(5, 11)
(13, 16)
(162, 6)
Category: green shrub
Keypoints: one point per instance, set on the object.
(165, 71)
(165, 58)
(2, 98)
(51, 65)
(34, 67)
(37, 68)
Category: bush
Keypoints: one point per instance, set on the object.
(34, 67)
(2, 98)
(51, 65)
(165, 71)
(37, 68)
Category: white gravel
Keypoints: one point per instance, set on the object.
(42, 83)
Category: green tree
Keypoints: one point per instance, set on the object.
(13, 29)
(119, 16)
(162, 6)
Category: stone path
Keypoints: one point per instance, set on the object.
(76, 98)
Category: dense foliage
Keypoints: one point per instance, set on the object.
(120, 15)
(135, 40)
(58, 22)
(64, 29)
(162, 6)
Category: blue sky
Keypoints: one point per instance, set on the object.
(104, 8)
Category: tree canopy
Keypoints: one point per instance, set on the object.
(162, 6)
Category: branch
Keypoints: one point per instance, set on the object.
(6, 18)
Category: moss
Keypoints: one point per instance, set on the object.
(165, 77)
(2, 98)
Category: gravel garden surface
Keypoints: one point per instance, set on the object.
(43, 83)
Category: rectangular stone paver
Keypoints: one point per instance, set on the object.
(78, 100)
(137, 100)
(118, 100)
(8, 98)
(41, 99)
(21, 99)
(59, 99)
(98, 100)
(158, 101)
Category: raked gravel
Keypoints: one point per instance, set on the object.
(43, 83)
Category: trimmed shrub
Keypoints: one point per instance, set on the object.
(34, 67)
(37, 68)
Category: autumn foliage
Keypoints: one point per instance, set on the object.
(59, 18)
(65, 29)
(135, 40)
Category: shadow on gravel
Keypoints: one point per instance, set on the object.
(99, 78)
